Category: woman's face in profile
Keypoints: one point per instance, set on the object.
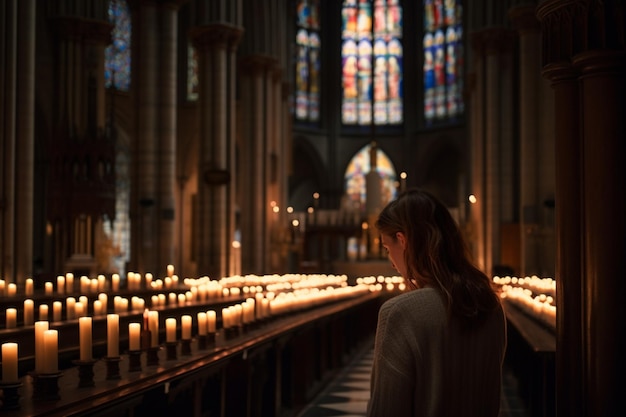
(395, 245)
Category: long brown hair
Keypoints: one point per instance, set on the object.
(436, 254)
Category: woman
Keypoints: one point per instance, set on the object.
(440, 346)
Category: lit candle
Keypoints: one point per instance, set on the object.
(12, 289)
(70, 307)
(153, 318)
(51, 351)
(115, 282)
(97, 307)
(48, 288)
(29, 312)
(85, 338)
(185, 322)
(211, 318)
(202, 323)
(28, 288)
(113, 335)
(43, 312)
(69, 283)
(134, 330)
(170, 270)
(170, 330)
(57, 308)
(60, 284)
(40, 328)
(9, 362)
(11, 318)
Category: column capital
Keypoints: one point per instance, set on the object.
(80, 28)
(492, 41)
(220, 35)
(257, 63)
(524, 18)
(571, 27)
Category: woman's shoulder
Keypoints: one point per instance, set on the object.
(420, 300)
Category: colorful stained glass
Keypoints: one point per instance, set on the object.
(372, 62)
(192, 73)
(117, 55)
(359, 166)
(443, 60)
(308, 45)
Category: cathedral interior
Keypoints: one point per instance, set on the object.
(232, 139)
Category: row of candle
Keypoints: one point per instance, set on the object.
(534, 283)
(65, 284)
(46, 340)
(538, 305)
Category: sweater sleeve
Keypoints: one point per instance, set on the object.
(393, 373)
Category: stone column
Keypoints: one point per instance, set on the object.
(529, 109)
(603, 129)
(25, 140)
(216, 44)
(587, 68)
(476, 226)
(167, 134)
(494, 42)
(255, 81)
(145, 234)
(8, 88)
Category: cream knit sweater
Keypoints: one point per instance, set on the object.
(426, 366)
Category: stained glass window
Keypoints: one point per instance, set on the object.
(192, 73)
(117, 55)
(359, 166)
(372, 56)
(443, 60)
(308, 46)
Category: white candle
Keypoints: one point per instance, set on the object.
(153, 321)
(9, 362)
(12, 289)
(11, 318)
(185, 322)
(69, 283)
(85, 338)
(113, 335)
(28, 287)
(211, 318)
(70, 308)
(134, 330)
(51, 351)
(170, 330)
(29, 312)
(202, 323)
(48, 288)
(57, 308)
(97, 307)
(60, 285)
(115, 282)
(170, 270)
(40, 328)
(43, 312)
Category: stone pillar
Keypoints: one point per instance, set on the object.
(8, 86)
(255, 81)
(145, 234)
(25, 140)
(603, 128)
(167, 135)
(476, 235)
(156, 150)
(587, 68)
(494, 40)
(528, 29)
(216, 44)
